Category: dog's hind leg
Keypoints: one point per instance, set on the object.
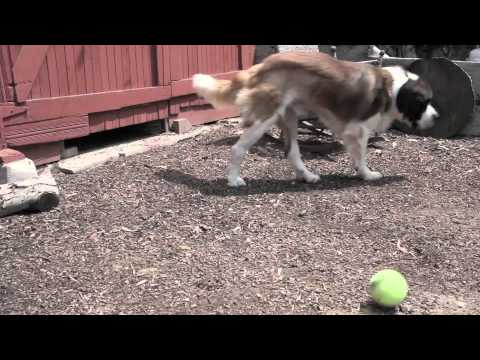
(293, 150)
(355, 139)
(249, 137)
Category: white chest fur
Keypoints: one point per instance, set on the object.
(378, 123)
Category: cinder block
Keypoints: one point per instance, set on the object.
(69, 152)
(17, 171)
(15, 167)
(181, 126)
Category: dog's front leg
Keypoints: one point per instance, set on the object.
(355, 139)
(249, 137)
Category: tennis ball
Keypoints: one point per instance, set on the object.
(388, 288)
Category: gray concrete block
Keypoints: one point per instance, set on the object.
(17, 171)
(69, 152)
(181, 126)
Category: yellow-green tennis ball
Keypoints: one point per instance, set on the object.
(388, 288)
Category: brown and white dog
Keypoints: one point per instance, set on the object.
(352, 99)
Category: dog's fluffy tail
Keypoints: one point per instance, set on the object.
(219, 93)
(223, 93)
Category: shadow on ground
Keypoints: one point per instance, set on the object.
(219, 187)
(310, 149)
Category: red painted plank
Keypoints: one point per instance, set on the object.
(119, 67)
(97, 72)
(79, 53)
(133, 66)
(175, 63)
(102, 49)
(192, 64)
(36, 127)
(28, 59)
(3, 142)
(60, 58)
(44, 81)
(233, 57)
(112, 75)
(89, 69)
(203, 60)
(97, 122)
(162, 108)
(133, 73)
(224, 58)
(219, 59)
(229, 57)
(5, 63)
(192, 60)
(208, 116)
(136, 115)
(151, 110)
(6, 59)
(139, 66)
(147, 65)
(211, 59)
(184, 57)
(52, 72)
(47, 131)
(125, 117)
(14, 51)
(247, 54)
(206, 59)
(236, 57)
(160, 60)
(111, 121)
(36, 92)
(214, 60)
(140, 117)
(26, 65)
(95, 102)
(71, 74)
(127, 75)
(3, 94)
(167, 68)
(144, 109)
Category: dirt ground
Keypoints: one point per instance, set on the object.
(161, 233)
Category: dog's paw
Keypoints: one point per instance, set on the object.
(311, 178)
(308, 177)
(372, 176)
(236, 182)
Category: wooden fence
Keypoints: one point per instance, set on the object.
(51, 93)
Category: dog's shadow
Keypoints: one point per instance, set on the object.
(310, 148)
(219, 187)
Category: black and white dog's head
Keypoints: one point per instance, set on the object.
(412, 97)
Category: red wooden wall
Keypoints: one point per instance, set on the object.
(51, 93)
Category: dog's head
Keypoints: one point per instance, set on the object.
(413, 97)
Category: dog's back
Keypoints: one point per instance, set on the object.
(313, 80)
(352, 91)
